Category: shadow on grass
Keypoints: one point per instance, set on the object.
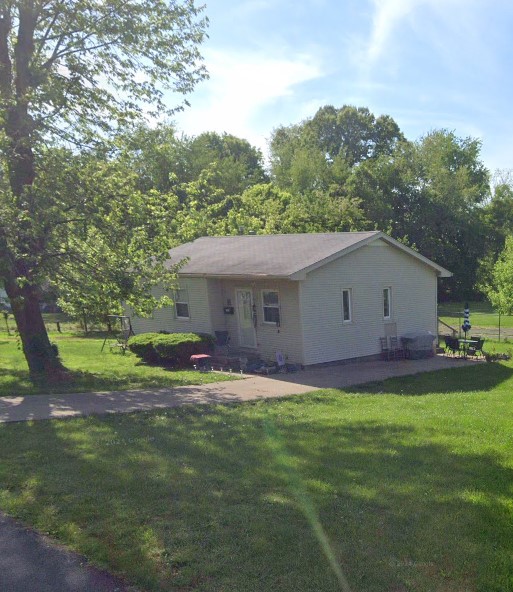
(478, 377)
(18, 383)
(197, 499)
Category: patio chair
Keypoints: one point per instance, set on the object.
(476, 350)
(396, 348)
(222, 337)
(452, 345)
(280, 360)
(385, 350)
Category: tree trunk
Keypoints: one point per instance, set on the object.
(42, 358)
(20, 268)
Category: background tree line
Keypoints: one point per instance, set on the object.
(341, 170)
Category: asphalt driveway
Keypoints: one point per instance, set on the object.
(29, 562)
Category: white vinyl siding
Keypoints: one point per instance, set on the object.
(286, 337)
(367, 271)
(165, 319)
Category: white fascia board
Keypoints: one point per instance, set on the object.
(234, 276)
(441, 271)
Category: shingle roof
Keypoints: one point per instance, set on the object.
(271, 255)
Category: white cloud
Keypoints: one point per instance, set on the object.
(450, 19)
(388, 14)
(240, 86)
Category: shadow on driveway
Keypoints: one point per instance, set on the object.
(37, 407)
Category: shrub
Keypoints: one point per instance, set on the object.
(172, 348)
(177, 348)
(143, 346)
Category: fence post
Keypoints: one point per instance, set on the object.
(499, 326)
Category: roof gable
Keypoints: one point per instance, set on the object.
(275, 255)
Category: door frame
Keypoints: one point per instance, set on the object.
(239, 325)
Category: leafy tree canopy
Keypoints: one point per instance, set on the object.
(75, 71)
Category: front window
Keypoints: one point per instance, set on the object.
(387, 303)
(271, 306)
(346, 306)
(182, 304)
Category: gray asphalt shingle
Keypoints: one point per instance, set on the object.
(276, 255)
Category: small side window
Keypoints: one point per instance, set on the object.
(387, 303)
(182, 304)
(347, 313)
(271, 306)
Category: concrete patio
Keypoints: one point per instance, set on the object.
(249, 388)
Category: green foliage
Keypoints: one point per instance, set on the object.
(141, 47)
(431, 193)
(173, 348)
(238, 165)
(177, 348)
(321, 151)
(265, 209)
(105, 241)
(143, 346)
(500, 291)
(75, 72)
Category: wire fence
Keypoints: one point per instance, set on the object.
(485, 322)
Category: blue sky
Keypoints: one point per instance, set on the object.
(429, 64)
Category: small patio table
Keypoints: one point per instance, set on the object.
(466, 343)
(200, 361)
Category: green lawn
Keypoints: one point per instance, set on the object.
(407, 483)
(92, 368)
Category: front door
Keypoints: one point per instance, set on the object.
(247, 334)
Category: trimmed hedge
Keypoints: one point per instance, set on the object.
(173, 348)
(142, 346)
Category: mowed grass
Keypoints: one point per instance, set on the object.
(481, 315)
(407, 483)
(92, 369)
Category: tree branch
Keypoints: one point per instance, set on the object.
(5, 60)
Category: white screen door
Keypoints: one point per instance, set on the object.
(247, 335)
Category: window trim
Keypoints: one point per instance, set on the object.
(388, 290)
(186, 302)
(350, 296)
(264, 306)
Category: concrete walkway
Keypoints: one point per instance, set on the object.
(37, 407)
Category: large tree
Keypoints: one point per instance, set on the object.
(430, 193)
(72, 71)
(321, 150)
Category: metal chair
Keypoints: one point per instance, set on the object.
(385, 350)
(396, 348)
(452, 345)
(476, 350)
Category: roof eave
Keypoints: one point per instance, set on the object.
(236, 276)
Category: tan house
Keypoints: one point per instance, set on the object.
(314, 297)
